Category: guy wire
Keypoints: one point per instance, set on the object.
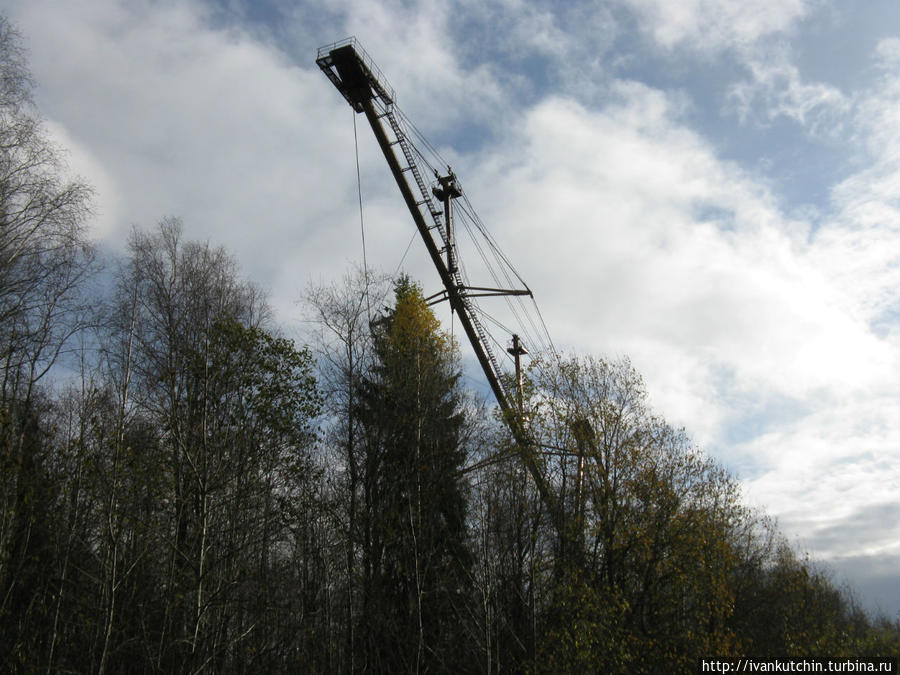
(362, 228)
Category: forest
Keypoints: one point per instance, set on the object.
(186, 489)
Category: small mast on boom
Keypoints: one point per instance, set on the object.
(362, 84)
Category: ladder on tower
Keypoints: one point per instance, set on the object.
(436, 217)
(361, 83)
(412, 167)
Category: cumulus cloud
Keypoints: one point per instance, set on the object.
(753, 330)
(198, 121)
(672, 245)
(833, 473)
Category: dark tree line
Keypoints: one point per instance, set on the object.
(185, 490)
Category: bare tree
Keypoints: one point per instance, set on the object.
(44, 262)
(341, 314)
(44, 255)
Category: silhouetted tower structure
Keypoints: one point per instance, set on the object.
(361, 83)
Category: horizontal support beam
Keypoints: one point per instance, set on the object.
(482, 292)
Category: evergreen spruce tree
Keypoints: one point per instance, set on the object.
(415, 557)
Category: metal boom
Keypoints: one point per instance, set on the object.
(361, 83)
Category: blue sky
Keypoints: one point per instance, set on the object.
(709, 187)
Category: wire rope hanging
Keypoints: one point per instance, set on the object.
(363, 86)
(362, 227)
(471, 250)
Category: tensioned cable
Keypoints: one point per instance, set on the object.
(419, 135)
(534, 336)
(546, 332)
(399, 265)
(531, 321)
(492, 272)
(476, 220)
(362, 228)
(499, 324)
(507, 269)
(540, 336)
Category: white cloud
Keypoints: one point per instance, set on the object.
(411, 43)
(207, 124)
(859, 244)
(834, 473)
(834, 470)
(521, 28)
(674, 246)
(710, 25)
(80, 164)
(776, 89)
(752, 330)
(532, 46)
(754, 34)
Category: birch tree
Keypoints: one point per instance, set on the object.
(44, 262)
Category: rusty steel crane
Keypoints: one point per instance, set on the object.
(433, 208)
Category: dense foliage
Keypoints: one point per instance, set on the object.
(185, 490)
